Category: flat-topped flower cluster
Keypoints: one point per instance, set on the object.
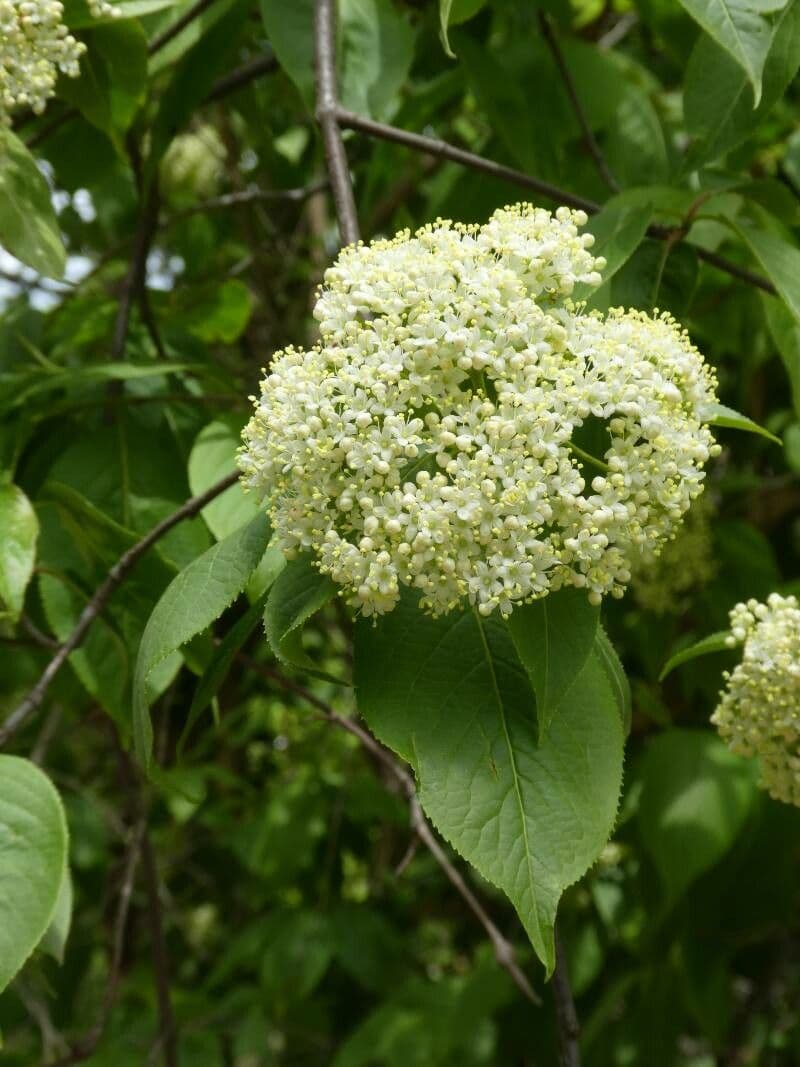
(442, 433)
(759, 711)
(35, 46)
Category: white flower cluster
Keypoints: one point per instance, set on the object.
(34, 46)
(443, 434)
(759, 711)
(664, 579)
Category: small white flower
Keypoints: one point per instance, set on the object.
(759, 711)
(448, 395)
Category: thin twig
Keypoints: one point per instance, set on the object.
(566, 1016)
(442, 149)
(36, 634)
(230, 83)
(246, 196)
(550, 37)
(95, 606)
(135, 278)
(168, 1033)
(435, 147)
(327, 117)
(503, 949)
(85, 1046)
(171, 32)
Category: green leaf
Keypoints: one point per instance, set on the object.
(740, 28)
(617, 679)
(28, 226)
(618, 230)
(450, 696)
(553, 637)
(288, 28)
(717, 98)
(199, 67)
(696, 797)
(33, 859)
(779, 259)
(713, 643)
(217, 312)
(298, 593)
(55, 939)
(785, 331)
(220, 664)
(113, 78)
(375, 49)
(191, 602)
(444, 23)
(213, 455)
(19, 530)
(720, 415)
(78, 16)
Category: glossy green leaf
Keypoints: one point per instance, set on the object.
(217, 312)
(618, 230)
(375, 49)
(113, 77)
(696, 797)
(28, 226)
(554, 637)
(102, 662)
(720, 415)
(221, 662)
(19, 530)
(718, 98)
(54, 941)
(213, 455)
(450, 696)
(299, 592)
(33, 858)
(617, 679)
(445, 7)
(785, 331)
(780, 260)
(192, 601)
(713, 643)
(740, 27)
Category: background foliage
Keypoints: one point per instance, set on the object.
(263, 901)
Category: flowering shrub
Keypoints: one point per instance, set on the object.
(759, 712)
(34, 46)
(355, 807)
(434, 438)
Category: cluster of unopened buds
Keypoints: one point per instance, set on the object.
(463, 428)
(35, 45)
(664, 580)
(759, 710)
(193, 166)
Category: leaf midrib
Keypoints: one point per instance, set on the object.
(513, 763)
